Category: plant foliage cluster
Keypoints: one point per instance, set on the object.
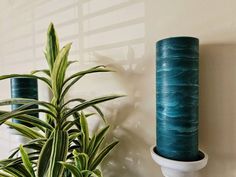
(61, 145)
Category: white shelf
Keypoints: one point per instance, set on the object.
(173, 168)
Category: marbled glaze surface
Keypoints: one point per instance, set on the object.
(24, 88)
(177, 98)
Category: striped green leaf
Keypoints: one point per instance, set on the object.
(64, 92)
(93, 106)
(99, 158)
(25, 131)
(26, 101)
(71, 62)
(73, 169)
(73, 136)
(88, 71)
(44, 71)
(77, 76)
(34, 121)
(90, 103)
(16, 161)
(33, 145)
(45, 80)
(52, 47)
(69, 124)
(17, 113)
(91, 145)
(17, 171)
(44, 158)
(83, 159)
(59, 70)
(97, 173)
(59, 153)
(28, 119)
(4, 175)
(85, 132)
(26, 161)
(98, 141)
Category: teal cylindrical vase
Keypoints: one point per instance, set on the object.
(177, 87)
(24, 88)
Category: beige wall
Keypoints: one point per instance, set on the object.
(213, 22)
(122, 33)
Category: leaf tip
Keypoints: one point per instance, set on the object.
(51, 27)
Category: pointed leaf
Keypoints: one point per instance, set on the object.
(59, 152)
(15, 161)
(32, 145)
(26, 131)
(63, 94)
(28, 119)
(4, 175)
(98, 173)
(34, 121)
(44, 158)
(26, 101)
(88, 71)
(91, 145)
(59, 69)
(83, 159)
(26, 161)
(89, 103)
(95, 173)
(98, 141)
(52, 47)
(102, 155)
(71, 62)
(18, 113)
(44, 71)
(27, 76)
(85, 131)
(17, 171)
(94, 106)
(73, 169)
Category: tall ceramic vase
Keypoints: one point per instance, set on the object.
(177, 98)
(177, 87)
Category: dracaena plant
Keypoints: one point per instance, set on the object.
(57, 142)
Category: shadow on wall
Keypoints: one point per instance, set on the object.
(218, 108)
(130, 121)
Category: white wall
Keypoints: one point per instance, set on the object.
(122, 33)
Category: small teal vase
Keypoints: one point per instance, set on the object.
(24, 88)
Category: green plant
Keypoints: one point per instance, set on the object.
(87, 158)
(58, 139)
